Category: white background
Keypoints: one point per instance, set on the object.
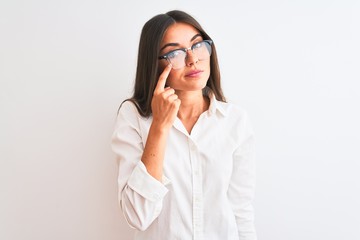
(65, 66)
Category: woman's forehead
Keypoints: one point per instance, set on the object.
(179, 33)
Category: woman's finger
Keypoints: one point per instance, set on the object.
(160, 86)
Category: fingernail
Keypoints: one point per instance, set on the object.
(169, 65)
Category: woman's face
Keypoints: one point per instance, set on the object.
(195, 74)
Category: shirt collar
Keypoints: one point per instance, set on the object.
(215, 105)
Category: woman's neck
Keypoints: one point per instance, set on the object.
(193, 104)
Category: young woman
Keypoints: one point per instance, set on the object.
(186, 165)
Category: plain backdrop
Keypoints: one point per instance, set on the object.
(65, 66)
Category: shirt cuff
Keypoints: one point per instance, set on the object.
(146, 185)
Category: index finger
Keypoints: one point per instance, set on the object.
(160, 86)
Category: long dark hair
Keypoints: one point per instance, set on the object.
(147, 72)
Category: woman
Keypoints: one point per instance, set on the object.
(186, 166)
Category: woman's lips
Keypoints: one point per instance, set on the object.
(194, 73)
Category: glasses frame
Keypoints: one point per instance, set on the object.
(165, 56)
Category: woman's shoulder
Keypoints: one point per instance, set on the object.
(128, 112)
(127, 107)
(233, 109)
(237, 119)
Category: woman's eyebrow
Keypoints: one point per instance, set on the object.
(195, 36)
(169, 44)
(177, 44)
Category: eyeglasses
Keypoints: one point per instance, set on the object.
(177, 58)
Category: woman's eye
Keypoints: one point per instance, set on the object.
(197, 45)
(174, 54)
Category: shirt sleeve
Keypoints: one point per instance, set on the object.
(242, 183)
(140, 195)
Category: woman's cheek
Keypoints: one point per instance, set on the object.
(171, 80)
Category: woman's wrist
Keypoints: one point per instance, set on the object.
(159, 128)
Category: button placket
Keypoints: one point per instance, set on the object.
(196, 191)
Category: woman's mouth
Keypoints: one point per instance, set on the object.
(194, 73)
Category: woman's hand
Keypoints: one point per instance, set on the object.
(165, 103)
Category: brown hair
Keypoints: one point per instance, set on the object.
(147, 72)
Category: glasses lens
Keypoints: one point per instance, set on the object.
(177, 59)
(202, 50)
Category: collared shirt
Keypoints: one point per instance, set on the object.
(208, 179)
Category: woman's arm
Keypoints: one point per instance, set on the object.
(165, 105)
(242, 185)
(140, 179)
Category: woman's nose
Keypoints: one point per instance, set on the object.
(191, 58)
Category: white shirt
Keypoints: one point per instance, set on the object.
(208, 184)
